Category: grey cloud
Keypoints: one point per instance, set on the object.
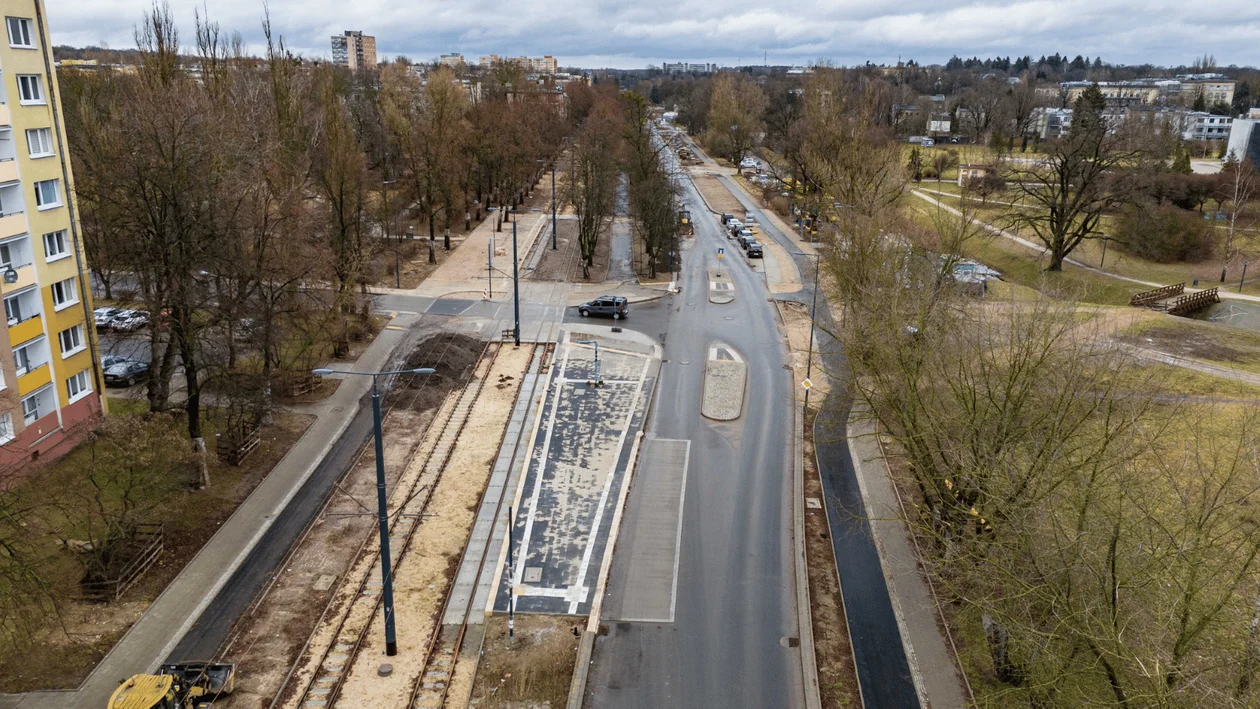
(632, 34)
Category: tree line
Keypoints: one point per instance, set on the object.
(245, 196)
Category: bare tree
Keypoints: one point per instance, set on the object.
(593, 171)
(1064, 197)
(735, 115)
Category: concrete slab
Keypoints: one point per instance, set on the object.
(725, 377)
(721, 289)
(652, 553)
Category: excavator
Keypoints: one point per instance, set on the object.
(183, 685)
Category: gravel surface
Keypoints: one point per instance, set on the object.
(723, 390)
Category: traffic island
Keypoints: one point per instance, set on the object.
(721, 290)
(725, 374)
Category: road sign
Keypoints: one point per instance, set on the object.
(807, 384)
(721, 251)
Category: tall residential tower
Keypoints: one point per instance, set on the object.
(50, 378)
(354, 50)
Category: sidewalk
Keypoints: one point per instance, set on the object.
(465, 269)
(148, 642)
(928, 650)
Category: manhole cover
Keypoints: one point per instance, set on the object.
(533, 574)
(790, 642)
(813, 503)
(324, 582)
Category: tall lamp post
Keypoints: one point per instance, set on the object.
(516, 288)
(597, 381)
(382, 509)
(384, 225)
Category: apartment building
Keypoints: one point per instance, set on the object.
(354, 50)
(1200, 125)
(50, 376)
(546, 64)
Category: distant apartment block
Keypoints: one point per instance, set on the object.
(354, 50)
(1215, 88)
(1244, 140)
(453, 60)
(689, 68)
(1200, 125)
(539, 65)
(51, 383)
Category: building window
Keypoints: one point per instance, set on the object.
(55, 245)
(6, 428)
(39, 142)
(30, 90)
(22, 360)
(71, 341)
(47, 194)
(31, 408)
(13, 311)
(64, 294)
(78, 386)
(19, 32)
(7, 256)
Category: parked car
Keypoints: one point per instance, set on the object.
(615, 307)
(748, 163)
(754, 250)
(745, 236)
(130, 320)
(105, 317)
(127, 373)
(725, 219)
(110, 360)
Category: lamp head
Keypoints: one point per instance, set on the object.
(321, 372)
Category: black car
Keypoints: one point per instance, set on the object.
(611, 306)
(754, 250)
(126, 373)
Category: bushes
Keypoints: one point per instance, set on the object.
(1164, 234)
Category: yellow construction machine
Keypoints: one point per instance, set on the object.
(184, 685)
(685, 227)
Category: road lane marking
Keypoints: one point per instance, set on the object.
(603, 496)
(682, 499)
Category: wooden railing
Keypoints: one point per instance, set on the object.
(1146, 298)
(152, 540)
(1194, 302)
(234, 447)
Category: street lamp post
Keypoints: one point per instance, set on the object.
(516, 289)
(382, 508)
(1103, 260)
(397, 270)
(597, 382)
(1243, 279)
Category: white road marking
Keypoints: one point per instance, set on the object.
(603, 496)
(682, 499)
(538, 481)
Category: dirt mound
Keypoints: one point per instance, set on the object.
(453, 355)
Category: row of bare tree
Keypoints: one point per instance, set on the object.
(230, 193)
(1092, 533)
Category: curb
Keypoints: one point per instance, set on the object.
(804, 614)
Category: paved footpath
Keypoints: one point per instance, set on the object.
(164, 624)
(928, 651)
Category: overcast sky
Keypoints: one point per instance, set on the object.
(634, 33)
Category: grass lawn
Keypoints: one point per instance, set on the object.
(67, 643)
(1116, 261)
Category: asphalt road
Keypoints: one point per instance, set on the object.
(878, 653)
(731, 642)
(208, 634)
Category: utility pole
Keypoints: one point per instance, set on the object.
(511, 575)
(553, 205)
(382, 504)
(516, 289)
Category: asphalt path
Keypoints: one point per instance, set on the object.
(732, 642)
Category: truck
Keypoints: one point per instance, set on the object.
(181, 685)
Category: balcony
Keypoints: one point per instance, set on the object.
(8, 170)
(5, 118)
(26, 330)
(35, 378)
(12, 224)
(25, 277)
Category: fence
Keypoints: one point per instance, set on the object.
(151, 538)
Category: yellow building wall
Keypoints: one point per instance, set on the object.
(15, 61)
